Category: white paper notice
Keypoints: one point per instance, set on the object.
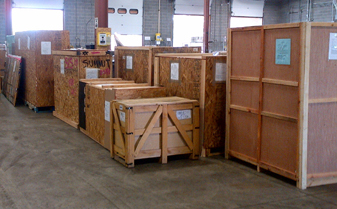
(195, 49)
(45, 47)
(19, 45)
(129, 62)
(28, 42)
(333, 46)
(220, 71)
(62, 66)
(121, 107)
(14, 67)
(184, 114)
(175, 71)
(122, 116)
(107, 111)
(91, 73)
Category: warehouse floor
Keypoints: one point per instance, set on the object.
(45, 163)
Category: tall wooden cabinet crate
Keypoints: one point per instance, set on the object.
(136, 63)
(282, 101)
(158, 127)
(35, 48)
(201, 77)
(69, 67)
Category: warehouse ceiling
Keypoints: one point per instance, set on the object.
(188, 7)
(247, 8)
(38, 4)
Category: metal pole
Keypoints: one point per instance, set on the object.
(206, 25)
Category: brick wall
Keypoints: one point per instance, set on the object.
(150, 20)
(219, 24)
(272, 12)
(77, 13)
(2, 22)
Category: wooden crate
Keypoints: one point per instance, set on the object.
(201, 77)
(282, 103)
(69, 67)
(35, 48)
(137, 63)
(12, 78)
(2, 61)
(97, 106)
(159, 127)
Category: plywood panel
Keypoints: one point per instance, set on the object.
(322, 143)
(323, 80)
(246, 47)
(276, 71)
(245, 94)
(12, 78)
(243, 134)
(280, 99)
(279, 146)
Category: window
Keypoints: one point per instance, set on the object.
(188, 30)
(36, 19)
(122, 11)
(245, 21)
(133, 11)
(111, 10)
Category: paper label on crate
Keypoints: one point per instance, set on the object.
(129, 62)
(28, 42)
(19, 43)
(122, 116)
(220, 71)
(184, 114)
(175, 71)
(91, 73)
(62, 66)
(283, 51)
(14, 67)
(107, 111)
(45, 47)
(195, 49)
(121, 107)
(333, 46)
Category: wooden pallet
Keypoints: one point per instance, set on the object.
(39, 109)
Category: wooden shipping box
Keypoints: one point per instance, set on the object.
(157, 127)
(282, 106)
(137, 63)
(35, 48)
(97, 106)
(201, 77)
(69, 67)
(12, 78)
(2, 61)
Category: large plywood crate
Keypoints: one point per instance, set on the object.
(69, 67)
(12, 78)
(35, 48)
(97, 106)
(2, 61)
(282, 105)
(137, 63)
(201, 77)
(158, 127)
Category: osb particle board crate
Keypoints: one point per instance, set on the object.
(201, 77)
(97, 106)
(35, 48)
(136, 63)
(282, 102)
(69, 67)
(158, 127)
(11, 79)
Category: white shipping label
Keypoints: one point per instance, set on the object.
(62, 66)
(333, 46)
(19, 43)
(175, 71)
(122, 116)
(107, 111)
(91, 73)
(129, 62)
(184, 114)
(220, 71)
(195, 49)
(121, 107)
(45, 47)
(28, 42)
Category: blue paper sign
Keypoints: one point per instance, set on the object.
(283, 49)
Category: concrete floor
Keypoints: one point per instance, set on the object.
(45, 163)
